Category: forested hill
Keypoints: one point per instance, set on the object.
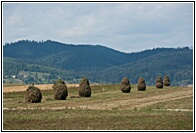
(100, 64)
(71, 57)
(64, 56)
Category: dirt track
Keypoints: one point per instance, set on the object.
(140, 102)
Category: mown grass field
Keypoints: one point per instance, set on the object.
(170, 108)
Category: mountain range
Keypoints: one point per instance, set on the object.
(45, 61)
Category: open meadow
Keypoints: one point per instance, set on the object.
(170, 108)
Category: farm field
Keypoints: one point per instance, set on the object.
(170, 108)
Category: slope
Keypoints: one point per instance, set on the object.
(71, 57)
(176, 63)
(98, 63)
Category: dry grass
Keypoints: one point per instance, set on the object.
(96, 120)
(105, 109)
(102, 100)
(18, 88)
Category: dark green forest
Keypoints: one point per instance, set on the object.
(45, 61)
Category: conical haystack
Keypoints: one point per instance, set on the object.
(141, 84)
(159, 82)
(125, 85)
(166, 81)
(60, 90)
(58, 82)
(84, 81)
(33, 95)
(84, 88)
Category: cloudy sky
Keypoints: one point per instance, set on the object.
(127, 27)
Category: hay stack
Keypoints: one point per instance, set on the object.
(166, 81)
(159, 82)
(84, 88)
(84, 81)
(141, 84)
(58, 82)
(125, 85)
(33, 95)
(60, 90)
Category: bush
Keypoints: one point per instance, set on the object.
(166, 81)
(125, 85)
(141, 84)
(33, 95)
(60, 90)
(84, 88)
(159, 82)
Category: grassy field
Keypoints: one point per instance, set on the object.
(170, 108)
(14, 81)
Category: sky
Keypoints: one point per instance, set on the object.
(126, 26)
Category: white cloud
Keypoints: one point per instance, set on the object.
(123, 26)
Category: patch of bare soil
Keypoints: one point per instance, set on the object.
(181, 110)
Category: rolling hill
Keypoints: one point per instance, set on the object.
(44, 62)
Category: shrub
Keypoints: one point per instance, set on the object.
(141, 84)
(166, 81)
(84, 88)
(60, 90)
(33, 95)
(159, 82)
(125, 85)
